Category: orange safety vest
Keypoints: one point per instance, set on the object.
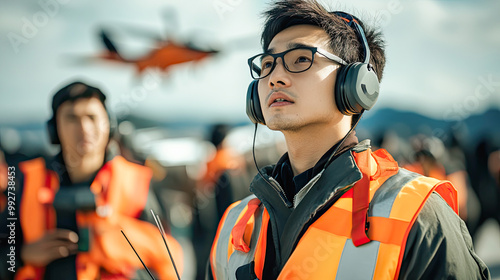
(361, 236)
(223, 160)
(437, 171)
(3, 185)
(121, 189)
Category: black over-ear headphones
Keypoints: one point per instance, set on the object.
(73, 92)
(356, 88)
(52, 130)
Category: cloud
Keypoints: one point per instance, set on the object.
(436, 50)
(462, 25)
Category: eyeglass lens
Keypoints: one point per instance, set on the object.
(295, 61)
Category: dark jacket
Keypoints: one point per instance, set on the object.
(438, 246)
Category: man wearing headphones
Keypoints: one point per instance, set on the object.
(331, 208)
(72, 208)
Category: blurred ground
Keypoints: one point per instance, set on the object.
(488, 247)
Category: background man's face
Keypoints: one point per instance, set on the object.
(311, 93)
(83, 127)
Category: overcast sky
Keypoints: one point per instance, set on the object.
(442, 56)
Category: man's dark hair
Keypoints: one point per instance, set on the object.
(70, 93)
(74, 91)
(344, 41)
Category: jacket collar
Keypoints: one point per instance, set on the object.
(283, 173)
(323, 190)
(57, 164)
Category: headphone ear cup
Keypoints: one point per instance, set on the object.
(339, 93)
(357, 89)
(113, 124)
(254, 111)
(52, 131)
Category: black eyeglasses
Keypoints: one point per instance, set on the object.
(294, 60)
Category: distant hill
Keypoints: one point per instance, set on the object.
(406, 124)
(31, 138)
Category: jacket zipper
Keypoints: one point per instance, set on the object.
(307, 187)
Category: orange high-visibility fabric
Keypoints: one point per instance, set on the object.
(33, 214)
(260, 252)
(4, 183)
(437, 171)
(216, 240)
(319, 252)
(333, 229)
(224, 159)
(123, 187)
(111, 251)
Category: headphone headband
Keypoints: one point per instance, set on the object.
(353, 22)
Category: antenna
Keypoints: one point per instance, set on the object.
(151, 275)
(162, 232)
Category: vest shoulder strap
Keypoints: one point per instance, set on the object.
(236, 237)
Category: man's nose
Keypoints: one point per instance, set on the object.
(279, 77)
(86, 126)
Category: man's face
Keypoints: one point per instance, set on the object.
(309, 96)
(83, 126)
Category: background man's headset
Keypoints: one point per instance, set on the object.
(67, 93)
(356, 87)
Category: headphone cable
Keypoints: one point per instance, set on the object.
(342, 141)
(253, 153)
(276, 186)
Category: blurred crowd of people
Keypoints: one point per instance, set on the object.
(471, 165)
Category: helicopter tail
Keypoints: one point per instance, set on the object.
(108, 43)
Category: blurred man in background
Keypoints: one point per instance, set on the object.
(483, 168)
(432, 159)
(71, 208)
(3, 181)
(214, 192)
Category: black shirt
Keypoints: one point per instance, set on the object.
(293, 184)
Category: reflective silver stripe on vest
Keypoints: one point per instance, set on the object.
(238, 258)
(384, 197)
(222, 269)
(359, 262)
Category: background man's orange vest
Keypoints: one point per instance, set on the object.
(121, 188)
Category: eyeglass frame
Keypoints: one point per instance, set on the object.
(314, 50)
